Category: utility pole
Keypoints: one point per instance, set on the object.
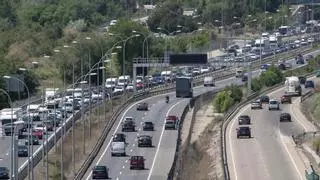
(73, 124)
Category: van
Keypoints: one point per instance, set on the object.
(208, 81)
(118, 149)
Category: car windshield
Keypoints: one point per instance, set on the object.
(3, 169)
(99, 168)
(273, 102)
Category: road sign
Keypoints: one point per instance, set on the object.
(188, 59)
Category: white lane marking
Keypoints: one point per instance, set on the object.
(133, 145)
(131, 150)
(231, 130)
(295, 116)
(126, 161)
(139, 129)
(123, 167)
(230, 141)
(117, 178)
(120, 172)
(137, 134)
(118, 126)
(290, 156)
(160, 139)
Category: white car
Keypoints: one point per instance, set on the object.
(118, 89)
(204, 70)
(40, 127)
(274, 104)
(196, 71)
(129, 87)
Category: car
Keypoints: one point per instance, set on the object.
(244, 78)
(282, 66)
(100, 172)
(148, 126)
(119, 137)
(264, 99)
(137, 162)
(274, 104)
(144, 141)
(125, 119)
(49, 125)
(142, 107)
(41, 127)
(309, 84)
(33, 140)
(285, 117)
(4, 173)
(244, 120)
(128, 126)
(22, 151)
(302, 79)
(286, 99)
(244, 131)
(256, 104)
(171, 122)
(38, 133)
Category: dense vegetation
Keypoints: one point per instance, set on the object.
(31, 29)
(226, 98)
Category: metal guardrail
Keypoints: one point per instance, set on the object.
(159, 90)
(307, 95)
(231, 114)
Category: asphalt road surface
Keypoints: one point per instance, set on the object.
(160, 157)
(270, 153)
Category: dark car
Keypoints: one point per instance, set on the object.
(137, 162)
(100, 172)
(299, 59)
(128, 126)
(148, 126)
(32, 140)
(309, 84)
(282, 66)
(144, 141)
(244, 78)
(244, 120)
(285, 117)
(302, 79)
(286, 99)
(119, 137)
(4, 173)
(49, 125)
(142, 107)
(244, 131)
(264, 99)
(23, 151)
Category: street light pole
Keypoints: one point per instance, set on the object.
(30, 159)
(124, 52)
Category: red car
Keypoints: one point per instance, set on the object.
(171, 122)
(137, 162)
(139, 85)
(38, 133)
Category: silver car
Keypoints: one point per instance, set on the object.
(256, 104)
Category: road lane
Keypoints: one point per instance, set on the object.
(166, 147)
(270, 154)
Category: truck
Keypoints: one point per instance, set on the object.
(292, 86)
(118, 149)
(263, 44)
(184, 87)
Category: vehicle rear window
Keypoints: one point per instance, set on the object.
(273, 102)
(171, 118)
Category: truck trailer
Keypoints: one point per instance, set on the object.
(292, 86)
(184, 87)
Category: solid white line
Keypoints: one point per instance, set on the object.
(231, 130)
(295, 116)
(290, 156)
(118, 126)
(161, 135)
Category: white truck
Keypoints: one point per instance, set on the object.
(118, 149)
(292, 86)
(263, 44)
(239, 72)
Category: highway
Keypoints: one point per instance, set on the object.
(270, 153)
(158, 159)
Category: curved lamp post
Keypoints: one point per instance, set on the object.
(30, 159)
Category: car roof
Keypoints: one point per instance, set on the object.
(99, 167)
(171, 117)
(136, 157)
(148, 122)
(273, 100)
(244, 116)
(244, 127)
(144, 136)
(285, 113)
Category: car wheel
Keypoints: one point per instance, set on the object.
(250, 136)
(269, 109)
(238, 137)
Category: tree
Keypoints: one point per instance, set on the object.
(235, 92)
